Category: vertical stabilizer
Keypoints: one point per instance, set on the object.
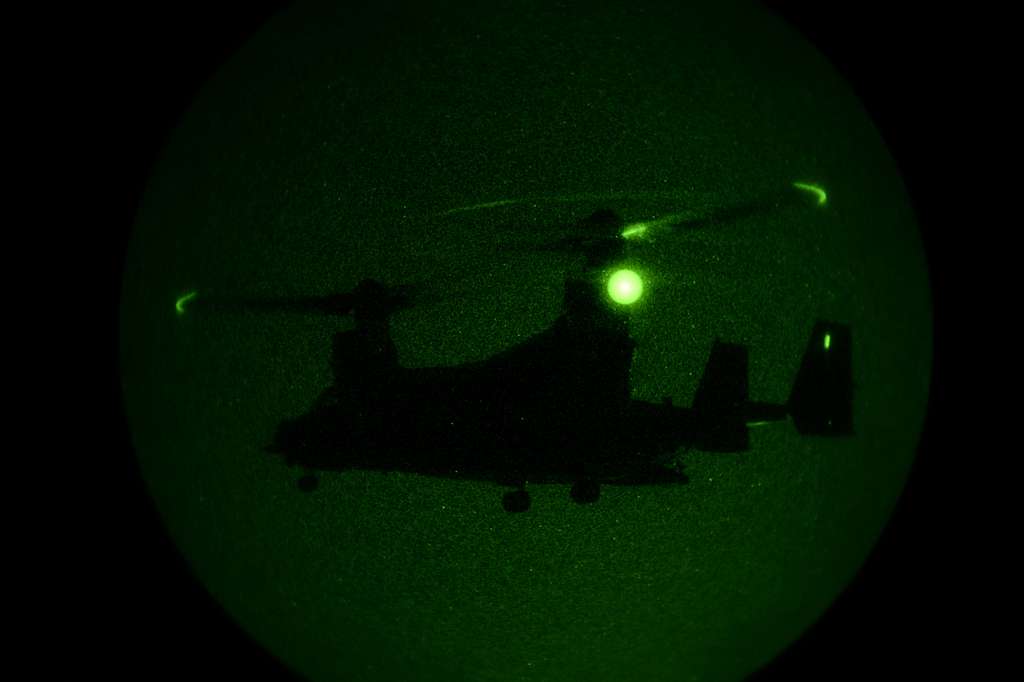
(821, 402)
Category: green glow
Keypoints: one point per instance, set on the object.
(649, 227)
(635, 231)
(625, 287)
(179, 305)
(583, 197)
(828, 341)
(807, 187)
(477, 207)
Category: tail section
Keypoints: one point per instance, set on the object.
(821, 402)
(721, 400)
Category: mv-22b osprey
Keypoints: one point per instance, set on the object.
(555, 408)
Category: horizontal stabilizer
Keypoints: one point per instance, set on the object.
(821, 402)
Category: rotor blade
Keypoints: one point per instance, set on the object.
(378, 297)
(339, 304)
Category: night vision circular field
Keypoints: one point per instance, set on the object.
(525, 343)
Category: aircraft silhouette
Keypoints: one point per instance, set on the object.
(553, 409)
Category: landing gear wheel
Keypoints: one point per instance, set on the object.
(516, 501)
(585, 491)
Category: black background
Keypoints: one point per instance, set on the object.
(901, 616)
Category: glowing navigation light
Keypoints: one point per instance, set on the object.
(625, 287)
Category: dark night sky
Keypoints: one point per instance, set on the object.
(155, 78)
